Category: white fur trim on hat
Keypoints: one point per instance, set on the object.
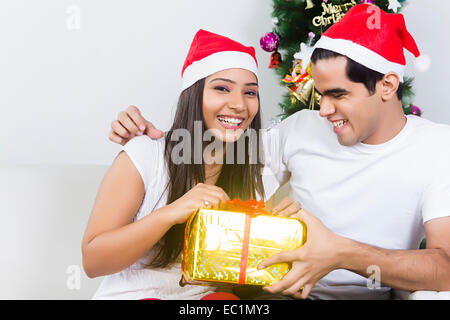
(362, 55)
(217, 62)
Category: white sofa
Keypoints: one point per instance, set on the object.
(44, 211)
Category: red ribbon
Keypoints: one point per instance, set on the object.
(251, 208)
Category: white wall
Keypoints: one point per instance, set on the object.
(61, 88)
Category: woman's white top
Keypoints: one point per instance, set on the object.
(139, 281)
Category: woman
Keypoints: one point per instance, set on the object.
(135, 232)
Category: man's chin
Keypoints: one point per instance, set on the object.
(347, 142)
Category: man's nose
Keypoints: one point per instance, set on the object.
(326, 107)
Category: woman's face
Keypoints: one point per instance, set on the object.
(230, 102)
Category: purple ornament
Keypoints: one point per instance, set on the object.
(369, 1)
(416, 111)
(269, 42)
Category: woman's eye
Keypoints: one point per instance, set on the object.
(221, 88)
(251, 93)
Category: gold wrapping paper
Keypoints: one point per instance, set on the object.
(214, 242)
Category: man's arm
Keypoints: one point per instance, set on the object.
(131, 123)
(324, 251)
(412, 270)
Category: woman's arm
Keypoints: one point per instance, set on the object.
(112, 242)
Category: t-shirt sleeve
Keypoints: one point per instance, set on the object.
(436, 197)
(275, 172)
(146, 155)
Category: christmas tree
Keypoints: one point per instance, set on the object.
(297, 25)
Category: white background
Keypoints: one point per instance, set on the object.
(61, 88)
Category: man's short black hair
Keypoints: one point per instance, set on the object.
(356, 72)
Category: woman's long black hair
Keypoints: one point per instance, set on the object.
(237, 180)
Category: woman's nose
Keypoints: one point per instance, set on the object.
(237, 102)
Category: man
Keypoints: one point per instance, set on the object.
(372, 182)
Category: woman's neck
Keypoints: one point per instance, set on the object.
(212, 173)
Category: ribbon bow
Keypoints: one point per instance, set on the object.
(250, 207)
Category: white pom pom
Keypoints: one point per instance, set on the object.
(422, 63)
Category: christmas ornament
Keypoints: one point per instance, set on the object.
(394, 5)
(301, 86)
(332, 13)
(275, 60)
(415, 110)
(305, 53)
(270, 42)
(309, 4)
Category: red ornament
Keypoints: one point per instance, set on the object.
(275, 60)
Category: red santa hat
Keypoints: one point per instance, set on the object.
(373, 39)
(210, 53)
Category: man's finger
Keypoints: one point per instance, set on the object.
(295, 288)
(293, 208)
(285, 256)
(155, 133)
(283, 204)
(305, 291)
(115, 138)
(128, 123)
(119, 130)
(303, 215)
(288, 285)
(135, 115)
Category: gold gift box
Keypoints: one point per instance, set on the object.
(214, 245)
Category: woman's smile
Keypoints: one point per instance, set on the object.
(230, 122)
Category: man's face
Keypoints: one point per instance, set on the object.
(353, 113)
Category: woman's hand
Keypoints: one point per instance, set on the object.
(200, 196)
(131, 123)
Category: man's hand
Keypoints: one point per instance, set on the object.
(315, 259)
(131, 123)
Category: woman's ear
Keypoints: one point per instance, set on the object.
(389, 86)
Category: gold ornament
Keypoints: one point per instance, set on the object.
(309, 4)
(332, 13)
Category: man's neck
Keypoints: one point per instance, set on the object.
(390, 124)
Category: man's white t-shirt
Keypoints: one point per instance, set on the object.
(380, 195)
